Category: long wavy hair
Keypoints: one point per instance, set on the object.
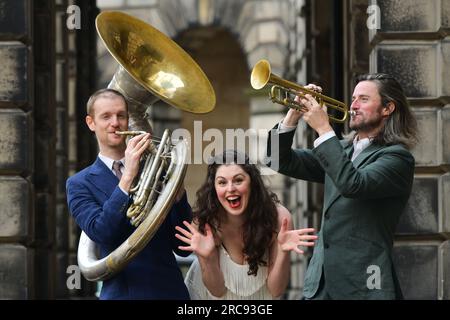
(261, 215)
(401, 125)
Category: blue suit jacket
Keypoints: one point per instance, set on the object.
(99, 207)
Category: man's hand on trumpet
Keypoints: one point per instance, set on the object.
(293, 115)
(316, 116)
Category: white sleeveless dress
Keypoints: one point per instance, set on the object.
(238, 283)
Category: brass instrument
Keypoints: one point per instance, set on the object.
(151, 67)
(282, 91)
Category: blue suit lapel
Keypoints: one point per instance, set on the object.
(102, 177)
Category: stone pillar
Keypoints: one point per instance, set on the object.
(35, 96)
(44, 139)
(413, 44)
(81, 80)
(356, 43)
(16, 156)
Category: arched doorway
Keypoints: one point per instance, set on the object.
(220, 56)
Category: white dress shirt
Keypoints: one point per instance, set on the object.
(359, 145)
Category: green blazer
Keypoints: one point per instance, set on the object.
(363, 201)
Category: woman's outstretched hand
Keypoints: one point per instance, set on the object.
(201, 244)
(291, 239)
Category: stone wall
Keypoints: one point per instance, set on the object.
(37, 89)
(16, 156)
(413, 44)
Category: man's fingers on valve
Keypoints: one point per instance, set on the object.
(300, 108)
(307, 101)
(297, 99)
(302, 100)
(312, 102)
(143, 139)
(135, 140)
(314, 87)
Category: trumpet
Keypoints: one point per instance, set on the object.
(283, 92)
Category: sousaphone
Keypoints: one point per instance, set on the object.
(152, 67)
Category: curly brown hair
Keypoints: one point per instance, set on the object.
(261, 215)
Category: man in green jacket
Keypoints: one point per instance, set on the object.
(367, 181)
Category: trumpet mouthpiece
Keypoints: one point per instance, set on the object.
(352, 113)
(129, 133)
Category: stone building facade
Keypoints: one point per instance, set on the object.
(51, 64)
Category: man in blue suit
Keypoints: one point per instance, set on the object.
(98, 200)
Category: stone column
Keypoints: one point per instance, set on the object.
(413, 43)
(16, 156)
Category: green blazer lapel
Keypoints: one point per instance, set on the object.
(365, 154)
(334, 193)
(331, 190)
(348, 148)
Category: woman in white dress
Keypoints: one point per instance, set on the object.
(241, 235)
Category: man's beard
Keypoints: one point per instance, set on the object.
(366, 125)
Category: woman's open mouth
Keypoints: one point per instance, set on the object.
(234, 201)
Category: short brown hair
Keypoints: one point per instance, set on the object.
(105, 93)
